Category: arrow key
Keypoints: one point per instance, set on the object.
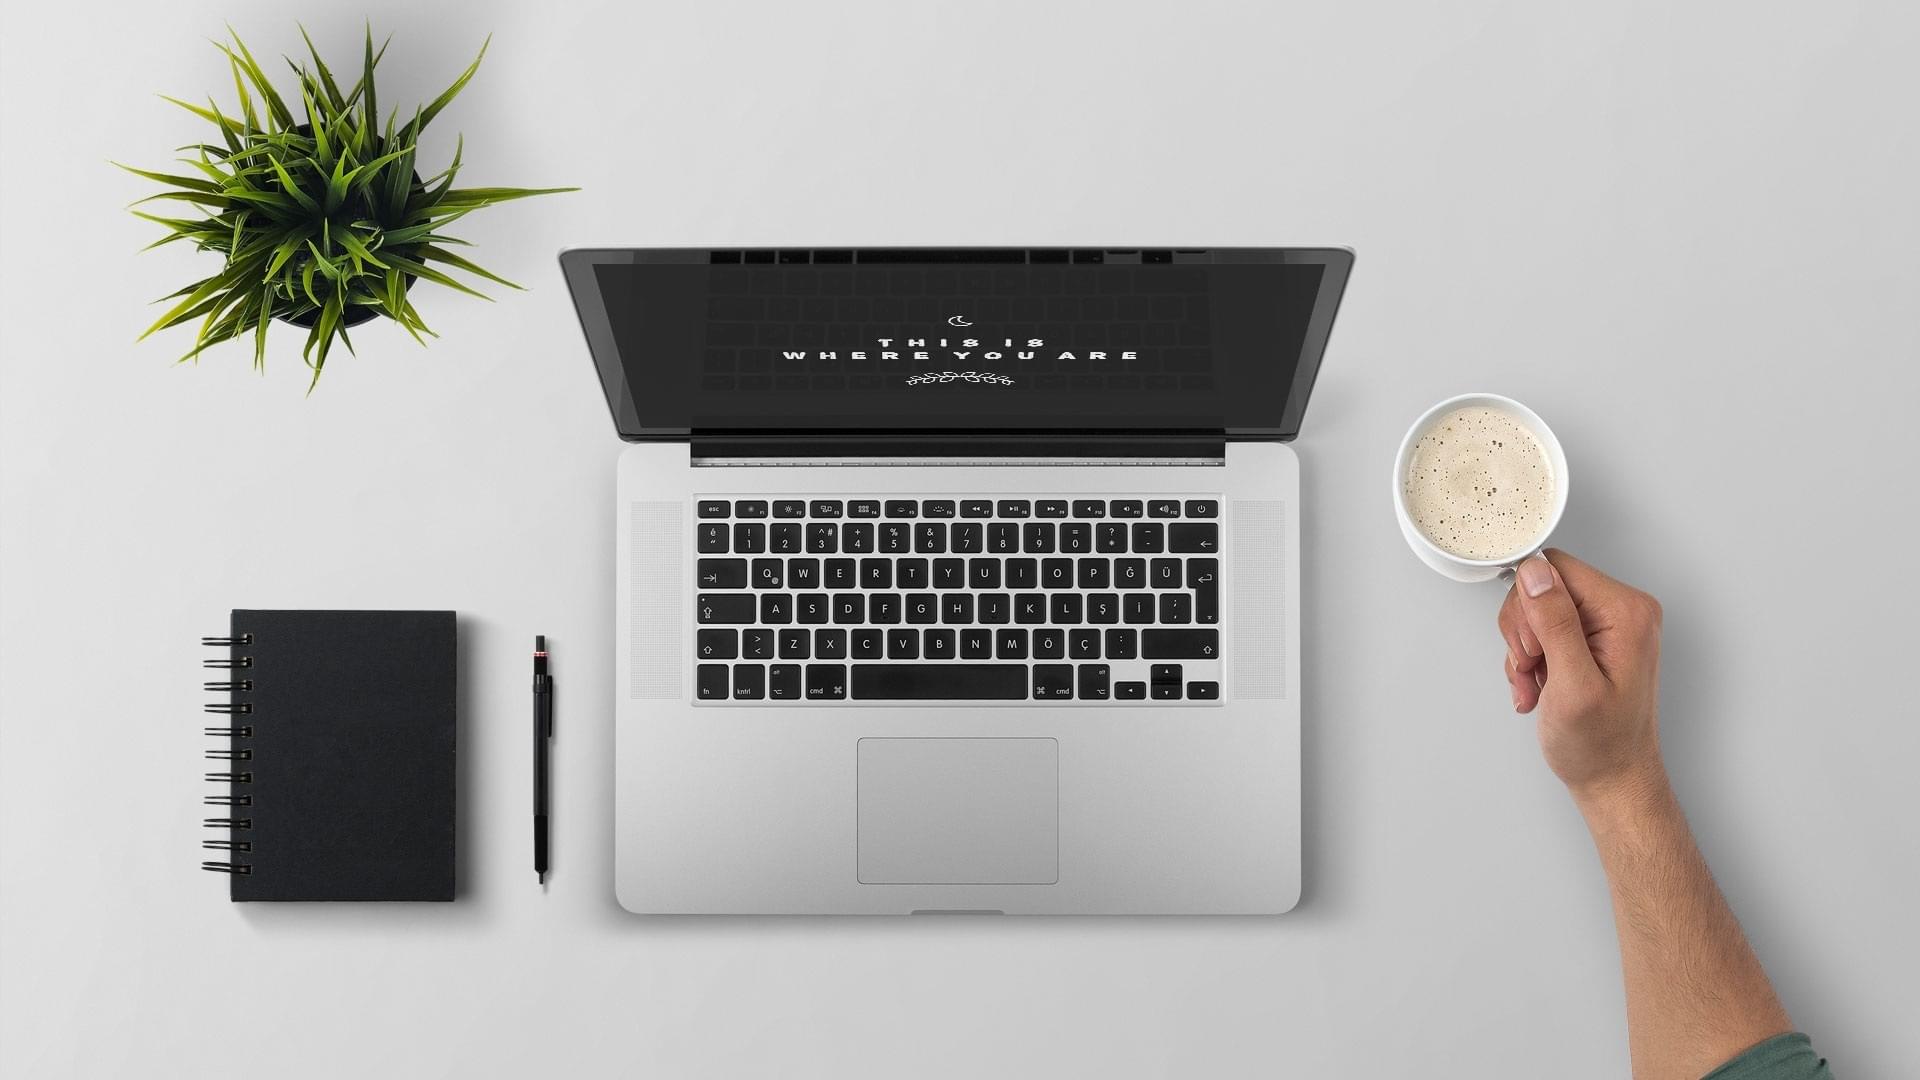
(1202, 537)
(721, 574)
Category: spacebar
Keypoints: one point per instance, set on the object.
(952, 682)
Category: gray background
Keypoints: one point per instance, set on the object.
(1683, 233)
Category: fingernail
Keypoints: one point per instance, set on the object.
(1536, 576)
(1514, 691)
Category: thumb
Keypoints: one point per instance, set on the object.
(1550, 611)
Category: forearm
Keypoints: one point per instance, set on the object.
(1696, 994)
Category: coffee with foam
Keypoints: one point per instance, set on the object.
(1479, 484)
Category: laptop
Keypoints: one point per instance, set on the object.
(957, 579)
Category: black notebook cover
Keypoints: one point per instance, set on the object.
(345, 789)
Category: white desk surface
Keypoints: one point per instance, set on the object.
(1685, 234)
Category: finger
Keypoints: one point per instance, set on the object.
(1523, 687)
(1585, 582)
(1550, 611)
(1521, 643)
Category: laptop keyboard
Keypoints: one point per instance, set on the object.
(957, 599)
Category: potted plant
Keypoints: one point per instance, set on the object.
(318, 209)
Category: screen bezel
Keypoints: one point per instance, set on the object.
(577, 264)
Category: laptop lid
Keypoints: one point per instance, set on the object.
(945, 342)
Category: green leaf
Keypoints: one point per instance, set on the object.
(352, 242)
(448, 257)
(422, 270)
(459, 84)
(276, 108)
(188, 182)
(293, 189)
(326, 77)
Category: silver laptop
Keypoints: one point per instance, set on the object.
(958, 579)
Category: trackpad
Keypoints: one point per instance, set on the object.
(959, 811)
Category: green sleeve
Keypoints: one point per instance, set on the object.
(1783, 1057)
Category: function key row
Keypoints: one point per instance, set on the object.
(964, 508)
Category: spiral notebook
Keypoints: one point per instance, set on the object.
(339, 755)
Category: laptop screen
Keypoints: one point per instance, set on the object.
(957, 340)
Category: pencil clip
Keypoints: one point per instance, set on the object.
(227, 642)
(242, 732)
(229, 708)
(230, 778)
(227, 687)
(228, 662)
(227, 867)
(228, 800)
(229, 822)
(230, 755)
(227, 845)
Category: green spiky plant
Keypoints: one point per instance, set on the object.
(320, 214)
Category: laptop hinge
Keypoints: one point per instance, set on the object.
(958, 449)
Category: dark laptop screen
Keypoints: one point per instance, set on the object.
(957, 340)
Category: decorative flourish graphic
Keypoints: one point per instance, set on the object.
(958, 320)
(987, 378)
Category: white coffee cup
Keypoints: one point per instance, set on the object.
(1455, 566)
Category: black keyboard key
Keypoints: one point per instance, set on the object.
(1176, 608)
(1103, 608)
(976, 645)
(1180, 644)
(750, 538)
(1050, 508)
(937, 508)
(1056, 573)
(826, 682)
(1014, 508)
(1110, 537)
(803, 573)
(883, 608)
(1130, 573)
(903, 644)
(756, 644)
(750, 508)
(983, 573)
(1023, 573)
(957, 609)
(823, 538)
(1010, 644)
(1095, 573)
(931, 538)
(749, 682)
(790, 508)
(856, 537)
(1163, 508)
(826, 508)
(786, 538)
(1137, 608)
(911, 573)
(776, 608)
(995, 607)
(1124, 508)
(712, 682)
(1149, 537)
(841, 574)
(902, 508)
(937, 682)
(768, 573)
(723, 608)
(715, 508)
(949, 573)
(1076, 538)
(1164, 573)
(1089, 508)
(783, 682)
(976, 508)
(812, 608)
(849, 609)
(1203, 691)
(1083, 644)
(896, 537)
(1066, 608)
(1037, 538)
(718, 644)
(795, 644)
(923, 608)
(711, 539)
(1003, 538)
(938, 644)
(1049, 644)
(1203, 577)
(1030, 609)
(1130, 691)
(1199, 537)
(1052, 682)
(868, 644)
(1163, 681)
(1123, 644)
(1093, 682)
(721, 574)
(876, 573)
(1202, 508)
(968, 537)
(863, 508)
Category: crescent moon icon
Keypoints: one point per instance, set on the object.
(958, 320)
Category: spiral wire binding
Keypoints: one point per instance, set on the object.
(233, 825)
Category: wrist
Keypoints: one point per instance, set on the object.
(1625, 798)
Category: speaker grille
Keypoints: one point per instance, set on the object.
(659, 585)
(1258, 653)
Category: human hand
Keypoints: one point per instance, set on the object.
(1585, 649)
